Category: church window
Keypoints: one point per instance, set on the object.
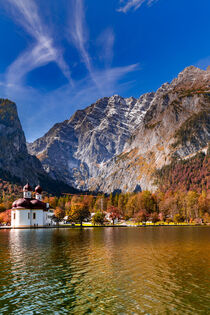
(34, 215)
(14, 216)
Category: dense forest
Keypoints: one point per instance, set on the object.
(183, 196)
(185, 175)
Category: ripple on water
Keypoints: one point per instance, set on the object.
(105, 271)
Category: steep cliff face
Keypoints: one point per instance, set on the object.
(77, 149)
(117, 143)
(16, 164)
(14, 156)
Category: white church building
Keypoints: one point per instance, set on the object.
(31, 212)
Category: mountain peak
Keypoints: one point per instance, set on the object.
(8, 113)
(116, 142)
(192, 79)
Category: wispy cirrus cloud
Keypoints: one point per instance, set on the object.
(127, 5)
(106, 43)
(41, 52)
(79, 36)
(102, 78)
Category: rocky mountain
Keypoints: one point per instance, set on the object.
(16, 164)
(117, 143)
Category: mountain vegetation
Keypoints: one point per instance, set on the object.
(188, 174)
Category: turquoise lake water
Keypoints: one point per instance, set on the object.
(153, 270)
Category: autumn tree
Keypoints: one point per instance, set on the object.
(178, 218)
(114, 213)
(100, 203)
(90, 201)
(5, 217)
(98, 218)
(154, 217)
(67, 207)
(59, 213)
(204, 203)
(110, 201)
(79, 210)
(132, 207)
(147, 201)
(122, 200)
(141, 217)
(53, 201)
(192, 204)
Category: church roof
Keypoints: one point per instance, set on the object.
(24, 203)
(27, 187)
(38, 189)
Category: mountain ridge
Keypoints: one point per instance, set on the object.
(88, 150)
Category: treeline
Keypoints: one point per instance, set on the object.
(144, 206)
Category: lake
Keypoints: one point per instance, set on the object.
(153, 270)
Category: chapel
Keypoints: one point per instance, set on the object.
(29, 211)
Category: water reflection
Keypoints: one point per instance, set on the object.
(105, 271)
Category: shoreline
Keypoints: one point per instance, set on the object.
(101, 226)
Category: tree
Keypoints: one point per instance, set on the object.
(114, 213)
(192, 204)
(204, 203)
(2, 207)
(141, 216)
(110, 200)
(132, 207)
(162, 216)
(178, 218)
(79, 210)
(147, 201)
(90, 201)
(206, 218)
(67, 207)
(5, 217)
(100, 204)
(59, 213)
(154, 217)
(53, 202)
(98, 218)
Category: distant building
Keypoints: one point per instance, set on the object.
(31, 212)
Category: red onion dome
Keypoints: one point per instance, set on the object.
(21, 203)
(27, 187)
(37, 204)
(38, 189)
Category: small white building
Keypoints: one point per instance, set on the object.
(31, 212)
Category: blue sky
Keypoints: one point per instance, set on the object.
(62, 55)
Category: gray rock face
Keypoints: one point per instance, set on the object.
(117, 143)
(77, 149)
(14, 157)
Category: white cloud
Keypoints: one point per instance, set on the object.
(110, 77)
(41, 52)
(104, 78)
(106, 43)
(79, 35)
(133, 5)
